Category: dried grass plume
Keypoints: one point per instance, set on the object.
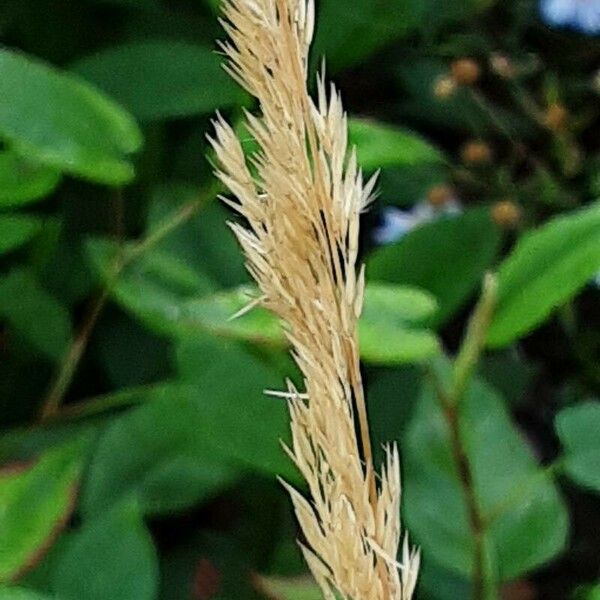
(301, 207)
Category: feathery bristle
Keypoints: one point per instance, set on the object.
(302, 211)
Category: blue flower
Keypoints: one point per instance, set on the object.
(395, 223)
(583, 15)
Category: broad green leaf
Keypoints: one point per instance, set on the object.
(388, 329)
(190, 437)
(162, 79)
(60, 121)
(34, 314)
(153, 287)
(447, 258)
(578, 428)
(36, 501)
(112, 556)
(155, 455)
(172, 299)
(380, 146)
(214, 314)
(17, 230)
(349, 31)
(19, 593)
(297, 588)
(22, 181)
(26, 444)
(547, 268)
(527, 518)
(234, 415)
(439, 583)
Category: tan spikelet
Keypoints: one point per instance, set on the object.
(301, 213)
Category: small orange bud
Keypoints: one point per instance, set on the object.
(476, 152)
(439, 195)
(502, 66)
(507, 214)
(465, 71)
(444, 87)
(556, 117)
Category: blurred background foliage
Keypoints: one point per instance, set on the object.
(139, 454)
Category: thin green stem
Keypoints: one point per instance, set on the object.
(98, 405)
(450, 397)
(474, 341)
(520, 149)
(64, 376)
(69, 365)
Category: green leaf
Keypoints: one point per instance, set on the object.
(162, 79)
(155, 455)
(547, 268)
(22, 181)
(162, 292)
(17, 230)
(527, 518)
(380, 146)
(234, 415)
(578, 428)
(439, 583)
(62, 122)
(35, 503)
(213, 314)
(34, 314)
(387, 331)
(153, 287)
(349, 31)
(112, 556)
(190, 438)
(19, 593)
(447, 258)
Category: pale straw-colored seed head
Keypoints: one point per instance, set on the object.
(301, 208)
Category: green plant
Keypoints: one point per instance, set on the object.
(135, 434)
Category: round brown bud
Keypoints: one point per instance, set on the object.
(556, 117)
(507, 214)
(444, 87)
(476, 152)
(439, 195)
(465, 71)
(502, 66)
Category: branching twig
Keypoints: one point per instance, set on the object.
(69, 365)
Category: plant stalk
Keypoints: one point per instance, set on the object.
(69, 365)
(450, 401)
